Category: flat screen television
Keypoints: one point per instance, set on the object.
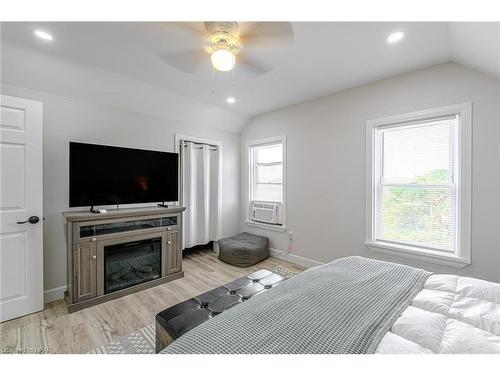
(107, 175)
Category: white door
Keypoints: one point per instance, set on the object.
(21, 248)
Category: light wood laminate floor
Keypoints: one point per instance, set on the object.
(55, 331)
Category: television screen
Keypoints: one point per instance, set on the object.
(105, 175)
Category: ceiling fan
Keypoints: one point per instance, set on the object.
(229, 44)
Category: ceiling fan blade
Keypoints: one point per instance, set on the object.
(190, 61)
(263, 34)
(192, 29)
(251, 67)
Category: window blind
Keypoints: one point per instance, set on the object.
(267, 172)
(416, 191)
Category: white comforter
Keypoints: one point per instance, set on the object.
(452, 314)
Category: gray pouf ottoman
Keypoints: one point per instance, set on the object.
(244, 249)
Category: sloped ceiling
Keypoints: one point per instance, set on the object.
(476, 45)
(324, 58)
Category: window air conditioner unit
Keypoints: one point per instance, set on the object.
(266, 212)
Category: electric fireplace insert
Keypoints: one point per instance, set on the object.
(131, 263)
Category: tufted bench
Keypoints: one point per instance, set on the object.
(179, 319)
(244, 249)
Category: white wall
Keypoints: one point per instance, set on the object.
(326, 162)
(79, 108)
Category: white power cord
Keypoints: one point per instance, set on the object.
(289, 249)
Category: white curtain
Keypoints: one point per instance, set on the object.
(200, 193)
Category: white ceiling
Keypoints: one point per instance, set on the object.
(323, 58)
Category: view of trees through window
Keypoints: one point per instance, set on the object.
(416, 191)
(420, 215)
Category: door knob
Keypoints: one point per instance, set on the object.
(31, 220)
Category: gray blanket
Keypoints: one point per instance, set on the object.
(342, 307)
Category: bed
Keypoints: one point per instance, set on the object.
(451, 314)
(356, 305)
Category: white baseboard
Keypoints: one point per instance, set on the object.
(297, 259)
(54, 294)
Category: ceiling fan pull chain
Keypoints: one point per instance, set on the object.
(213, 80)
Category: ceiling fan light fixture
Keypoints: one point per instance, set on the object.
(223, 59)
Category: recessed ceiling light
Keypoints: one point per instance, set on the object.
(395, 37)
(43, 35)
(231, 100)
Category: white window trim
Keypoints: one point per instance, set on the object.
(462, 257)
(275, 228)
(261, 142)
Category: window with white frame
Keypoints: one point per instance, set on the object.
(266, 176)
(418, 194)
